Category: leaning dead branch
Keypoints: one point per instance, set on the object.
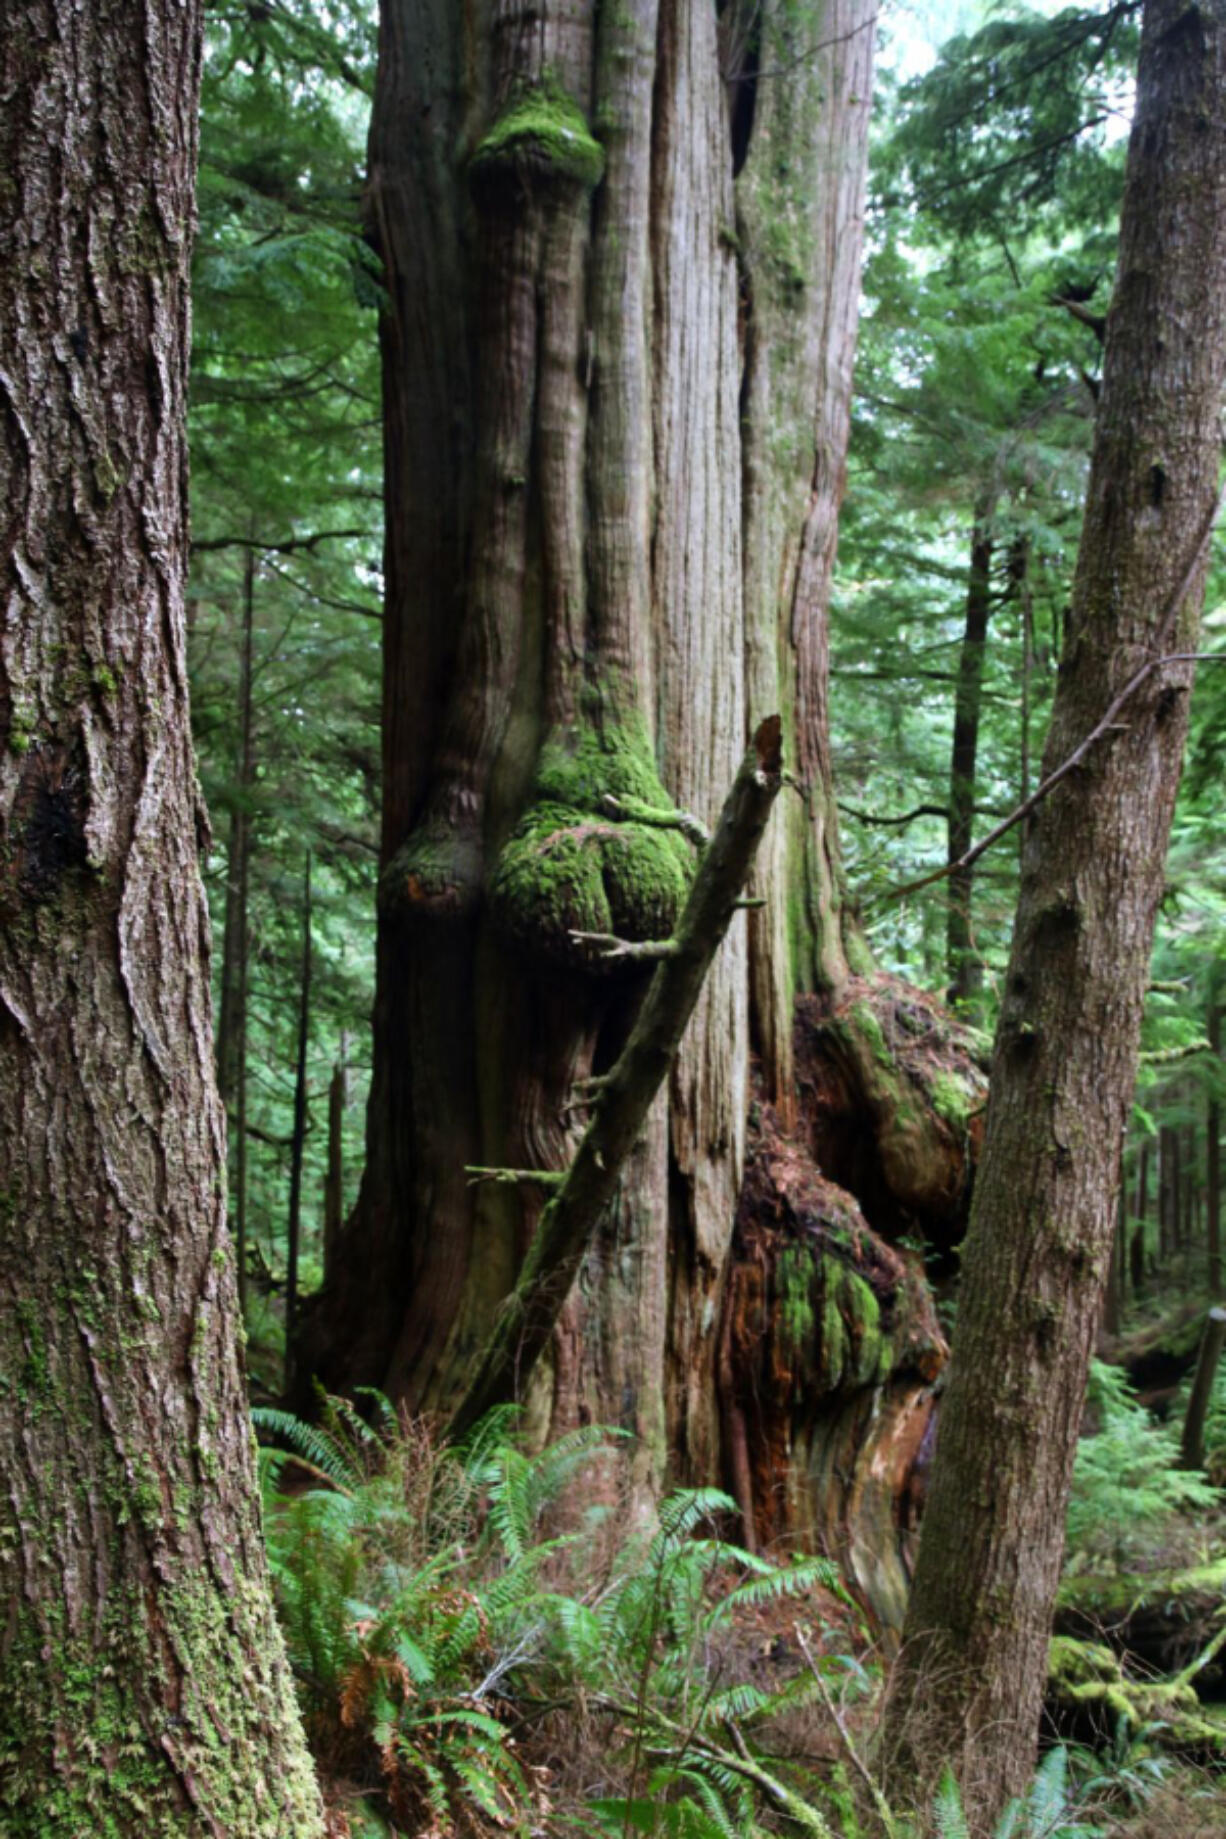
(621, 1102)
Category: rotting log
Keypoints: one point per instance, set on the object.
(1156, 1619)
(621, 1101)
(1090, 1695)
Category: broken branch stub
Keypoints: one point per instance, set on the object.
(527, 1318)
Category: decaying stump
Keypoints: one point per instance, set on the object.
(830, 1350)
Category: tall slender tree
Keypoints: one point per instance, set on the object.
(969, 1686)
(142, 1683)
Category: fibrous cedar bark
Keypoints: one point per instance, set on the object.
(622, 251)
(970, 1682)
(142, 1682)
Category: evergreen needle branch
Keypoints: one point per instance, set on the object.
(1108, 723)
(524, 1325)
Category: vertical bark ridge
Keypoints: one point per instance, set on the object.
(800, 203)
(698, 627)
(619, 438)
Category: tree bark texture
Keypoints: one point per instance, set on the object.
(622, 275)
(142, 1681)
(236, 941)
(971, 1678)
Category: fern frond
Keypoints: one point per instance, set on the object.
(322, 1451)
(948, 1811)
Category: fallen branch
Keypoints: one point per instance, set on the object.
(620, 1105)
(636, 812)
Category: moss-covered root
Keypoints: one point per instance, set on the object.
(1089, 1696)
(572, 865)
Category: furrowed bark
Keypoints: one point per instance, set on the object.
(527, 1319)
(143, 1686)
(970, 1682)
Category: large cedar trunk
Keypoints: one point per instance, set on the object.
(622, 251)
(1037, 1256)
(142, 1682)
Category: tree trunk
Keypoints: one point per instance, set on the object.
(297, 1142)
(142, 1681)
(236, 942)
(969, 1685)
(622, 278)
(1213, 1154)
(963, 963)
(1192, 1445)
(334, 1179)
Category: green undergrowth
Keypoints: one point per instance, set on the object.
(488, 1640)
(1129, 1495)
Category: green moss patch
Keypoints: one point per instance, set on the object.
(541, 133)
(570, 866)
(1089, 1692)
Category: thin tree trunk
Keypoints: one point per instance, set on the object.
(297, 1147)
(1027, 599)
(969, 1685)
(334, 1180)
(1213, 1153)
(1192, 1445)
(963, 963)
(143, 1686)
(236, 941)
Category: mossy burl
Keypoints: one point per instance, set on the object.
(542, 130)
(569, 867)
(952, 1099)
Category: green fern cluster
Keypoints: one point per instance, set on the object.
(425, 1610)
(1126, 1485)
(432, 1618)
(1048, 1811)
